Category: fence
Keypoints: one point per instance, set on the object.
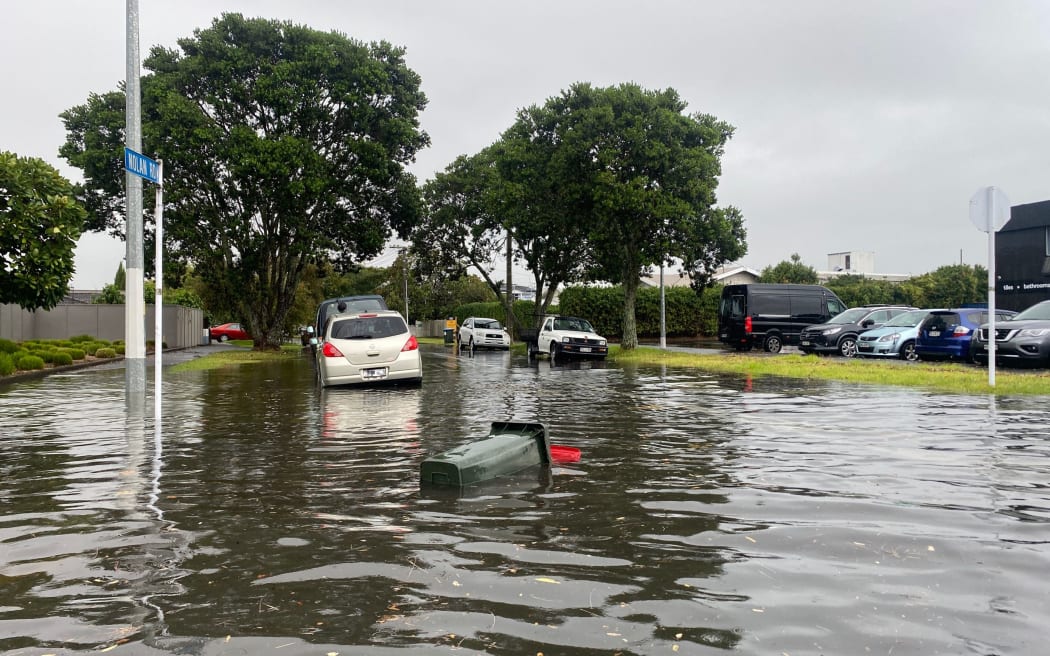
(182, 326)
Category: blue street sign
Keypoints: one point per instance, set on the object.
(141, 165)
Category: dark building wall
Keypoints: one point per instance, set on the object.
(1022, 257)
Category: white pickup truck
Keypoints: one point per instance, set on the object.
(565, 337)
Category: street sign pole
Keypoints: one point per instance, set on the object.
(134, 301)
(989, 210)
(158, 307)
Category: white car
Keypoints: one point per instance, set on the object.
(480, 332)
(368, 347)
(570, 337)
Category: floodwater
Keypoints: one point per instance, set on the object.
(708, 515)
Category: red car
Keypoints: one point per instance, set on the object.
(227, 331)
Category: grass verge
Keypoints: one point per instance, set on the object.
(939, 376)
(232, 358)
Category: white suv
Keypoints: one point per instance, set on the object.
(479, 332)
(570, 337)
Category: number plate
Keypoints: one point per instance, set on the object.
(373, 373)
(585, 349)
(935, 333)
(804, 343)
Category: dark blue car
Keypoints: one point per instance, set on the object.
(946, 334)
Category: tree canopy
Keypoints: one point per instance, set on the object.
(40, 223)
(282, 146)
(624, 180)
(793, 271)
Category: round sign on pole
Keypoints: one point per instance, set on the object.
(989, 209)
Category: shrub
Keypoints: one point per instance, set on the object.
(46, 356)
(105, 352)
(119, 348)
(81, 338)
(75, 353)
(7, 365)
(59, 358)
(29, 362)
(7, 346)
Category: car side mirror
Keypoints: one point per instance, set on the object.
(867, 322)
(313, 341)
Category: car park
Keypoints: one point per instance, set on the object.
(893, 339)
(227, 331)
(946, 334)
(563, 336)
(771, 316)
(368, 347)
(839, 333)
(1021, 340)
(481, 332)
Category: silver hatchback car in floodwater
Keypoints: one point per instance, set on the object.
(370, 347)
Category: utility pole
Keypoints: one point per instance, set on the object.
(134, 300)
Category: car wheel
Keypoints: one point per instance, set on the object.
(848, 347)
(908, 353)
(223, 338)
(773, 344)
(470, 344)
(554, 351)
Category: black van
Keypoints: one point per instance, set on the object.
(770, 315)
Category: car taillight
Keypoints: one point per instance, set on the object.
(411, 344)
(961, 330)
(747, 325)
(330, 351)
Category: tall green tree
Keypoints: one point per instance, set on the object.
(40, 223)
(461, 228)
(282, 145)
(789, 271)
(635, 175)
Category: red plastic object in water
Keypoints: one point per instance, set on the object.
(564, 453)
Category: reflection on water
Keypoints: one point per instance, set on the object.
(708, 514)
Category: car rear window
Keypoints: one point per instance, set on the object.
(368, 328)
(941, 320)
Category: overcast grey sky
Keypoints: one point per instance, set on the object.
(863, 126)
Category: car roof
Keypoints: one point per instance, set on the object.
(358, 315)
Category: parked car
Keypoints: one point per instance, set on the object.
(227, 331)
(561, 336)
(946, 334)
(772, 316)
(348, 305)
(368, 347)
(480, 332)
(893, 339)
(839, 333)
(1023, 339)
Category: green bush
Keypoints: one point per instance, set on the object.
(29, 363)
(75, 353)
(45, 355)
(7, 364)
(7, 346)
(60, 359)
(81, 338)
(686, 313)
(105, 352)
(119, 348)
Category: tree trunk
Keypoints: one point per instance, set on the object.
(629, 340)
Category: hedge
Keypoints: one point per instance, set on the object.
(686, 313)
